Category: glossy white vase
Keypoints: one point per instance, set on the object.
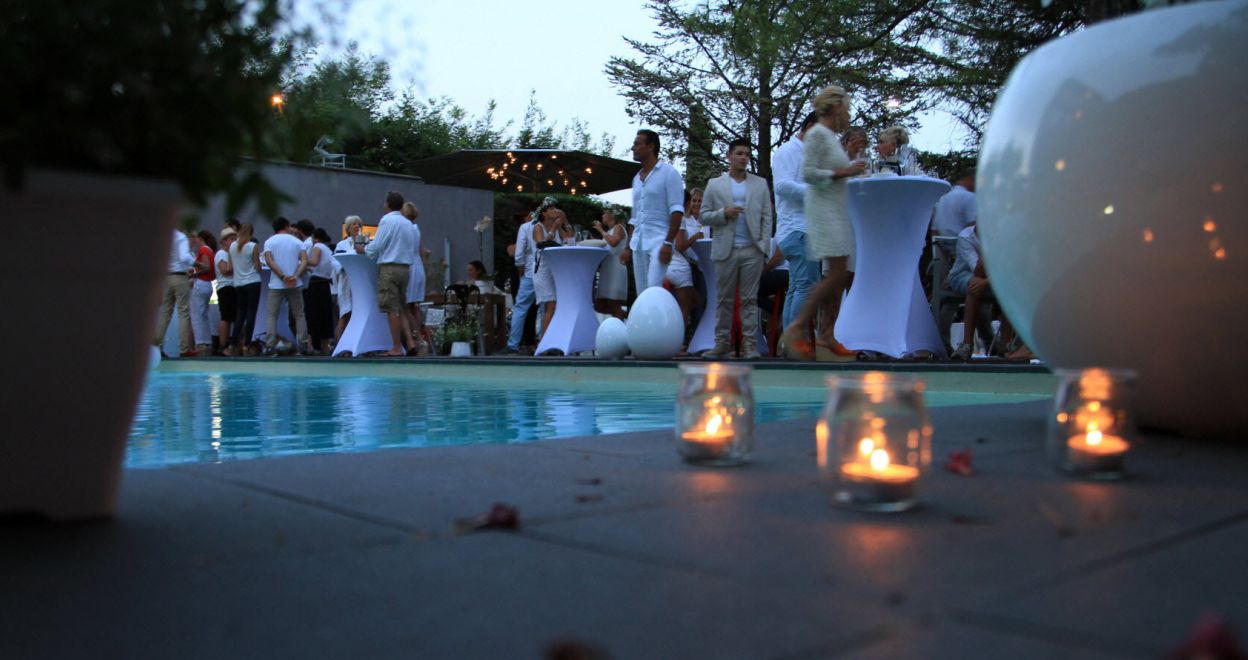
(611, 340)
(81, 285)
(655, 326)
(1112, 203)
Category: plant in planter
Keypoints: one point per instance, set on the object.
(119, 113)
(462, 329)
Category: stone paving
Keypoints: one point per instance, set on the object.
(625, 552)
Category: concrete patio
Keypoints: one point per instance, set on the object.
(628, 553)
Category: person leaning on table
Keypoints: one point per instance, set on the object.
(393, 250)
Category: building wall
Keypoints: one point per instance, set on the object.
(326, 196)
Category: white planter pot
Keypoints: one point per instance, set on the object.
(1111, 207)
(461, 349)
(81, 284)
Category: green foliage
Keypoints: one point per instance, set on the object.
(752, 67)
(172, 89)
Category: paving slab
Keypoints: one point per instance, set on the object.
(952, 641)
(492, 594)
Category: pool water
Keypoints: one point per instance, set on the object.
(207, 417)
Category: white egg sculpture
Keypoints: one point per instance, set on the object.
(1111, 198)
(153, 358)
(611, 342)
(655, 327)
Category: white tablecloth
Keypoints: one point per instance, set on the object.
(885, 310)
(574, 327)
(704, 335)
(368, 330)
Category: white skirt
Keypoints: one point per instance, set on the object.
(416, 283)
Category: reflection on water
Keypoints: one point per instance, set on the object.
(196, 418)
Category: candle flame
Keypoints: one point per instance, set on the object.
(866, 446)
(1094, 437)
(712, 424)
(879, 460)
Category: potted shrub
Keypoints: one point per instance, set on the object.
(120, 116)
(458, 335)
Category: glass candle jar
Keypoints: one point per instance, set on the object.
(715, 414)
(1093, 426)
(874, 440)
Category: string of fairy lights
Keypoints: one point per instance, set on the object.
(545, 171)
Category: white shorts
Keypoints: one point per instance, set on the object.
(679, 274)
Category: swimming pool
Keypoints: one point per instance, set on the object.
(194, 416)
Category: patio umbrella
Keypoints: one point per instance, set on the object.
(527, 170)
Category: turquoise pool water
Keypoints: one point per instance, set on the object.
(206, 417)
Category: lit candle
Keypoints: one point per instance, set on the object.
(875, 479)
(713, 438)
(1097, 452)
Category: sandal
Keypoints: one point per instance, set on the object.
(794, 347)
(835, 353)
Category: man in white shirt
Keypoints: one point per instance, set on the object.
(658, 206)
(525, 261)
(393, 248)
(177, 291)
(283, 253)
(786, 169)
(738, 205)
(955, 211)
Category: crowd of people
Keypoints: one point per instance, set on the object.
(792, 254)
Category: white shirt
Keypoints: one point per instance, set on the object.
(180, 257)
(775, 245)
(691, 226)
(345, 245)
(222, 257)
(954, 212)
(285, 250)
(307, 274)
(968, 258)
(393, 243)
(416, 243)
(786, 171)
(741, 229)
(655, 199)
(526, 251)
(325, 267)
(241, 260)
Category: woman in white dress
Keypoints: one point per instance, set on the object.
(352, 226)
(416, 281)
(826, 169)
(612, 275)
(552, 231)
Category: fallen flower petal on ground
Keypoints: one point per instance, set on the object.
(960, 462)
(500, 516)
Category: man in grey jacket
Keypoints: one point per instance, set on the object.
(737, 205)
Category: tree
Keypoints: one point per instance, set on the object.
(753, 65)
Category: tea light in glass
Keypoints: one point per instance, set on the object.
(1093, 426)
(715, 414)
(874, 441)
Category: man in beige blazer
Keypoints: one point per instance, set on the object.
(737, 205)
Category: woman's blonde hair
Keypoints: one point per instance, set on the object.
(830, 98)
(409, 211)
(898, 135)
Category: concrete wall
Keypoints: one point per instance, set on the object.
(326, 196)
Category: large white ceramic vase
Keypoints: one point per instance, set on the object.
(1112, 199)
(81, 274)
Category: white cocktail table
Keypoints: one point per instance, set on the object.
(574, 327)
(885, 310)
(368, 330)
(704, 335)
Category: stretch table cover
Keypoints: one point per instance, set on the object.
(885, 310)
(368, 330)
(574, 327)
(704, 335)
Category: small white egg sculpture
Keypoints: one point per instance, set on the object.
(611, 342)
(655, 327)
